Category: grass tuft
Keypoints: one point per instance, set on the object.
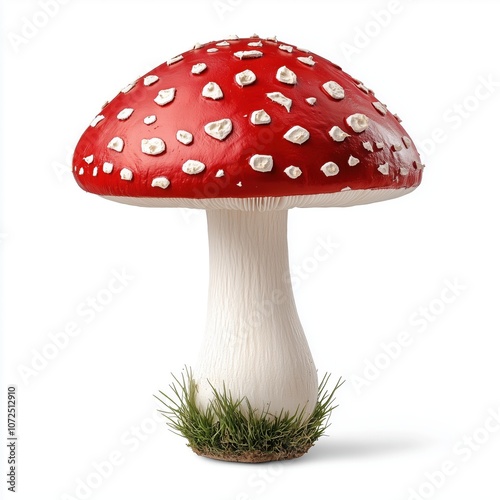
(232, 430)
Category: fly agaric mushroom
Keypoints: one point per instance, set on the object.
(247, 129)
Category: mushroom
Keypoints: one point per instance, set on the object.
(248, 134)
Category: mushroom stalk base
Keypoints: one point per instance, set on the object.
(254, 347)
(252, 458)
(232, 431)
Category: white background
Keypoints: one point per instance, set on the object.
(432, 404)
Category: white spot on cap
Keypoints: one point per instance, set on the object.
(260, 117)
(407, 141)
(279, 98)
(81, 171)
(198, 68)
(272, 38)
(96, 120)
(384, 169)
(334, 90)
(212, 51)
(219, 129)
(165, 96)
(404, 171)
(362, 87)
(330, 169)
(212, 91)
(368, 146)
(126, 174)
(223, 44)
(128, 88)
(248, 54)
(150, 79)
(418, 165)
(398, 118)
(246, 77)
(286, 48)
(220, 173)
(150, 119)
(379, 145)
(175, 59)
(89, 159)
(311, 101)
(381, 108)
(347, 188)
(184, 137)
(286, 75)
(154, 146)
(261, 163)
(255, 44)
(297, 135)
(239, 184)
(160, 182)
(353, 161)
(397, 147)
(95, 171)
(293, 172)
(358, 122)
(107, 167)
(198, 46)
(233, 37)
(337, 134)
(125, 114)
(193, 167)
(116, 144)
(307, 60)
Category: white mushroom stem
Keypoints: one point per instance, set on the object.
(254, 345)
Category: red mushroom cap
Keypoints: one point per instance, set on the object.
(246, 119)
